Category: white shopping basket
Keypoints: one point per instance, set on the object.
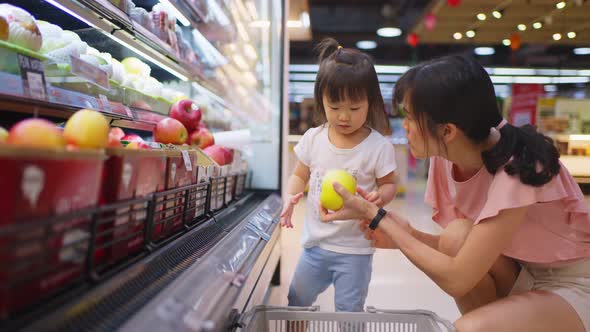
(311, 319)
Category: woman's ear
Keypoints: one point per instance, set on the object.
(449, 132)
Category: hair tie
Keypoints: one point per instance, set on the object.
(501, 124)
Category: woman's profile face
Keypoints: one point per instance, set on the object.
(422, 144)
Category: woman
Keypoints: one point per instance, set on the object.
(515, 249)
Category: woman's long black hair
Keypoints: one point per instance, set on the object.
(458, 90)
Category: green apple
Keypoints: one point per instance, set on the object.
(329, 197)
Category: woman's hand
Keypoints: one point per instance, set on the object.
(354, 207)
(288, 205)
(377, 237)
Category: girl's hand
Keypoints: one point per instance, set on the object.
(373, 197)
(355, 207)
(288, 205)
(377, 237)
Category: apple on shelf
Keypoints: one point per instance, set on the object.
(87, 129)
(3, 135)
(36, 133)
(221, 155)
(201, 138)
(132, 138)
(187, 112)
(170, 131)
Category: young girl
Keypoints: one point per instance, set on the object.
(515, 249)
(349, 103)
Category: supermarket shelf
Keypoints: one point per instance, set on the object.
(135, 118)
(109, 304)
(115, 24)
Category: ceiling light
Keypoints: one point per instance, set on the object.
(571, 35)
(556, 36)
(304, 18)
(521, 27)
(560, 5)
(481, 16)
(457, 35)
(366, 44)
(497, 14)
(506, 42)
(582, 51)
(389, 32)
(470, 34)
(294, 24)
(537, 25)
(484, 50)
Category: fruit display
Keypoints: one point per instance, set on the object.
(22, 27)
(329, 198)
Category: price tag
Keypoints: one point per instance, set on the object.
(33, 76)
(92, 73)
(128, 111)
(187, 160)
(106, 105)
(155, 145)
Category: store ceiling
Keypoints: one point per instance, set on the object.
(573, 17)
(350, 21)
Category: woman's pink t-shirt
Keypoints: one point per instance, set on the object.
(557, 224)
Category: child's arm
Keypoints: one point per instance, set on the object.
(386, 190)
(295, 188)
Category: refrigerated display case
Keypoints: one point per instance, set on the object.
(129, 239)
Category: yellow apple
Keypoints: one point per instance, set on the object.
(3, 135)
(329, 197)
(87, 129)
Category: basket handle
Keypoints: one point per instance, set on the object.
(246, 316)
(448, 325)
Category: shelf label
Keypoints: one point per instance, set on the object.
(187, 160)
(92, 73)
(106, 105)
(33, 76)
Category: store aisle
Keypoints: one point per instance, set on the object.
(396, 283)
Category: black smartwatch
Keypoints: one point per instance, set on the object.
(380, 214)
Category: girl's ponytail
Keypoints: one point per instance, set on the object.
(326, 48)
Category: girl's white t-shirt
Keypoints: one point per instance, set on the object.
(371, 159)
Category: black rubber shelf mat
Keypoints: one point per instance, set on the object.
(109, 304)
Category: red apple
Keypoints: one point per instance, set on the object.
(117, 133)
(136, 145)
(170, 131)
(114, 142)
(216, 153)
(201, 138)
(36, 133)
(229, 155)
(187, 112)
(132, 138)
(201, 125)
(87, 129)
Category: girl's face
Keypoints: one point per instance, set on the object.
(422, 144)
(346, 116)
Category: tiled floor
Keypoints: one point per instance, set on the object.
(396, 283)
